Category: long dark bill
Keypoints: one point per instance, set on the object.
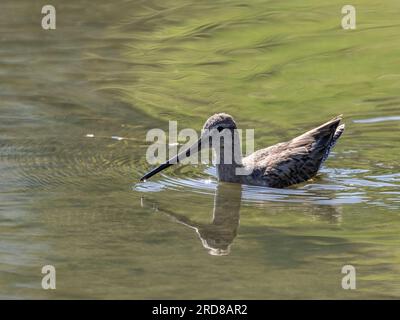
(196, 147)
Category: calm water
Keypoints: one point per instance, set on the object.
(116, 70)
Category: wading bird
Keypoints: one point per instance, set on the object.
(278, 166)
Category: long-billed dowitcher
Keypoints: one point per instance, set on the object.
(277, 166)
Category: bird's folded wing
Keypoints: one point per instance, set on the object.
(294, 161)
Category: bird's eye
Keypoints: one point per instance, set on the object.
(220, 129)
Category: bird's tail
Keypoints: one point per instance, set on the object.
(339, 131)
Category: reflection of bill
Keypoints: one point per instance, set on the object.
(218, 235)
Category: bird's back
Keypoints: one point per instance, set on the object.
(294, 161)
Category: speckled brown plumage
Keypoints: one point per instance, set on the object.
(295, 161)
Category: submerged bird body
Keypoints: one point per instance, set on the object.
(277, 166)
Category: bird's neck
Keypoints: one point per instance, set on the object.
(229, 159)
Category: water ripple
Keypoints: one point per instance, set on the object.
(378, 119)
(330, 187)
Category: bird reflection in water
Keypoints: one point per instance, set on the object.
(217, 236)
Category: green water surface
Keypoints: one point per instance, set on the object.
(119, 68)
